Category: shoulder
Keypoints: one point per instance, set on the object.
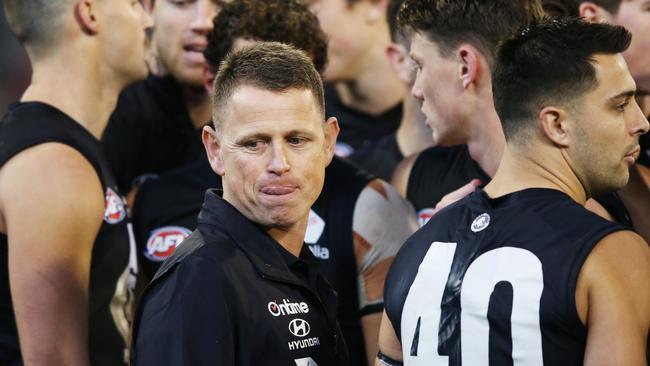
(403, 172)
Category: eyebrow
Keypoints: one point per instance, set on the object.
(624, 95)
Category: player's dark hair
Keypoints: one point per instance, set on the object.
(285, 21)
(572, 7)
(391, 16)
(549, 62)
(271, 66)
(36, 22)
(480, 23)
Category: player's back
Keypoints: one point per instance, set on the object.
(502, 273)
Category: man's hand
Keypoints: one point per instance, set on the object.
(456, 195)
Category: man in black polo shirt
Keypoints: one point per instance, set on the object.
(243, 289)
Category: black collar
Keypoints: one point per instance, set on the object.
(268, 257)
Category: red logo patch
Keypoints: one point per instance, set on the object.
(424, 215)
(163, 241)
(114, 207)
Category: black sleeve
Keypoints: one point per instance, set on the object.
(185, 319)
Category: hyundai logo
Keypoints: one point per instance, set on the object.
(299, 328)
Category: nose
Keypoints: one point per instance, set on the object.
(279, 163)
(640, 123)
(147, 20)
(204, 12)
(416, 90)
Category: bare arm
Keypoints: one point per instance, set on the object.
(382, 222)
(402, 173)
(52, 204)
(613, 300)
(388, 343)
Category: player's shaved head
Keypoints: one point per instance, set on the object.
(269, 66)
(37, 23)
(549, 62)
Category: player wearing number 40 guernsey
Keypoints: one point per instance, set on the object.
(520, 273)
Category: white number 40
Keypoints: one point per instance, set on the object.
(519, 267)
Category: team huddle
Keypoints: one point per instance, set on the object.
(327, 182)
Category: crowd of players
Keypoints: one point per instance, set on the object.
(149, 124)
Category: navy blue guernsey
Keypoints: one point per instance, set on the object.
(359, 130)
(381, 158)
(150, 132)
(487, 281)
(166, 209)
(113, 270)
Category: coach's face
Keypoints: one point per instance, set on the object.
(606, 129)
(272, 150)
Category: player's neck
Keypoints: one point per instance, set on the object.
(532, 167)
(412, 135)
(292, 238)
(487, 141)
(76, 88)
(375, 90)
(197, 101)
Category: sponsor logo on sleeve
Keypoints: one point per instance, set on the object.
(163, 241)
(114, 207)
(315, 228)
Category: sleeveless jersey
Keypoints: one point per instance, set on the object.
(113, 264)
(150, 132)
(166, 210)
(381, 158)
(438, 171)
(487, 281)
(358, 129)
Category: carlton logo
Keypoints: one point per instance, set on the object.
(287, 308)
(114, 207)
(163, 241)
(480, 223)
(299, 328)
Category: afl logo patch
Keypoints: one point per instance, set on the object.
(424, 215)
(115, 209)
(299, 328)
(163, 241)
(480, 223)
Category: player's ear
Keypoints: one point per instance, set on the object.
(400, 61)
(331, 129)
(553, 122)
(593, 13)
(86, 15)
(468, 64)
(212, 145)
